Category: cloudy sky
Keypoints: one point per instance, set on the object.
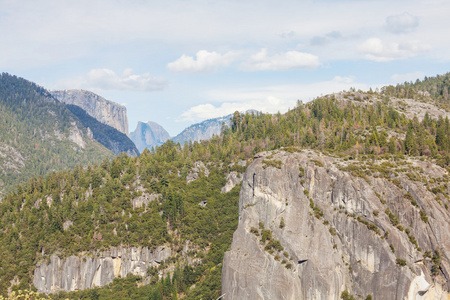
(177, 62)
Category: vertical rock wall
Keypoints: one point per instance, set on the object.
(106, 112)
(327, 245)
(98, 269)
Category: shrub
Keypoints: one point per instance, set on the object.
(261, 225)
(401, 262)
(345, 295)
(317, 162)
(332, 231)
(272, 163)
(301, 171)
(392, 217)
(392, 248)
(254, 230)
(266, 235)
(282, 223)
(423, 216)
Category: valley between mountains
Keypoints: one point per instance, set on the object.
(343, 197)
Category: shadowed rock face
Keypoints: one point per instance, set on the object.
(334, 232)
(81, 272)
(105, 111)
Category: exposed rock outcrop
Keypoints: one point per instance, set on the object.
(148, 135)
(232, 179)
(98, 269)
(144, 200)
(198, 167)
(105, 111)
(310, 229)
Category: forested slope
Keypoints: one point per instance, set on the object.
(38, 134)
(81, 211)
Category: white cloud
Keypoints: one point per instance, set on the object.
(403, 23)
(278, 62)
(400, 78)
(207, 111)
(106, 79)
(377, 50)
(266, 99)
(204, 62)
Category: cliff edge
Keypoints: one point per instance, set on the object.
(314, 227)
(105, 111)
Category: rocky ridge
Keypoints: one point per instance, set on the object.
(96, 269)
(105, 111)
(202, 131)
(409, 107)
(313, 226)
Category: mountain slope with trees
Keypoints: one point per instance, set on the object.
(39, 135)
(106, 135)
(80, 211)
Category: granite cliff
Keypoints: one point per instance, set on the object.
(148, 135)
(313, 226)
(96, 269)
(106, 135)
(105, 111)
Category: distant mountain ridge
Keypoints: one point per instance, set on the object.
(105, 111)
(148, 135)
(203, 130)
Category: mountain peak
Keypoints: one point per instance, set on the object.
(148, 134)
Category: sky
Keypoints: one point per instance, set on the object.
(179, 62)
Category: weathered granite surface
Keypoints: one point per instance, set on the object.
(336, 252)
(105, 111)
(233, 178)
(96, 269)
(148, 135)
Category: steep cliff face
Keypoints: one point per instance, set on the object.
(149, 134)
(106, 135)
(105, 111)
(310, 228)
(98, 269)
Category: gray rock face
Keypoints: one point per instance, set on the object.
(144, 200)
(148, 135)
(105, 111)
(202, 131)
(98, 269)
(198, 167)
(232, 179)
(334, 233)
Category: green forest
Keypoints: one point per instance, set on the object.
(34, 134)
(97, 197)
